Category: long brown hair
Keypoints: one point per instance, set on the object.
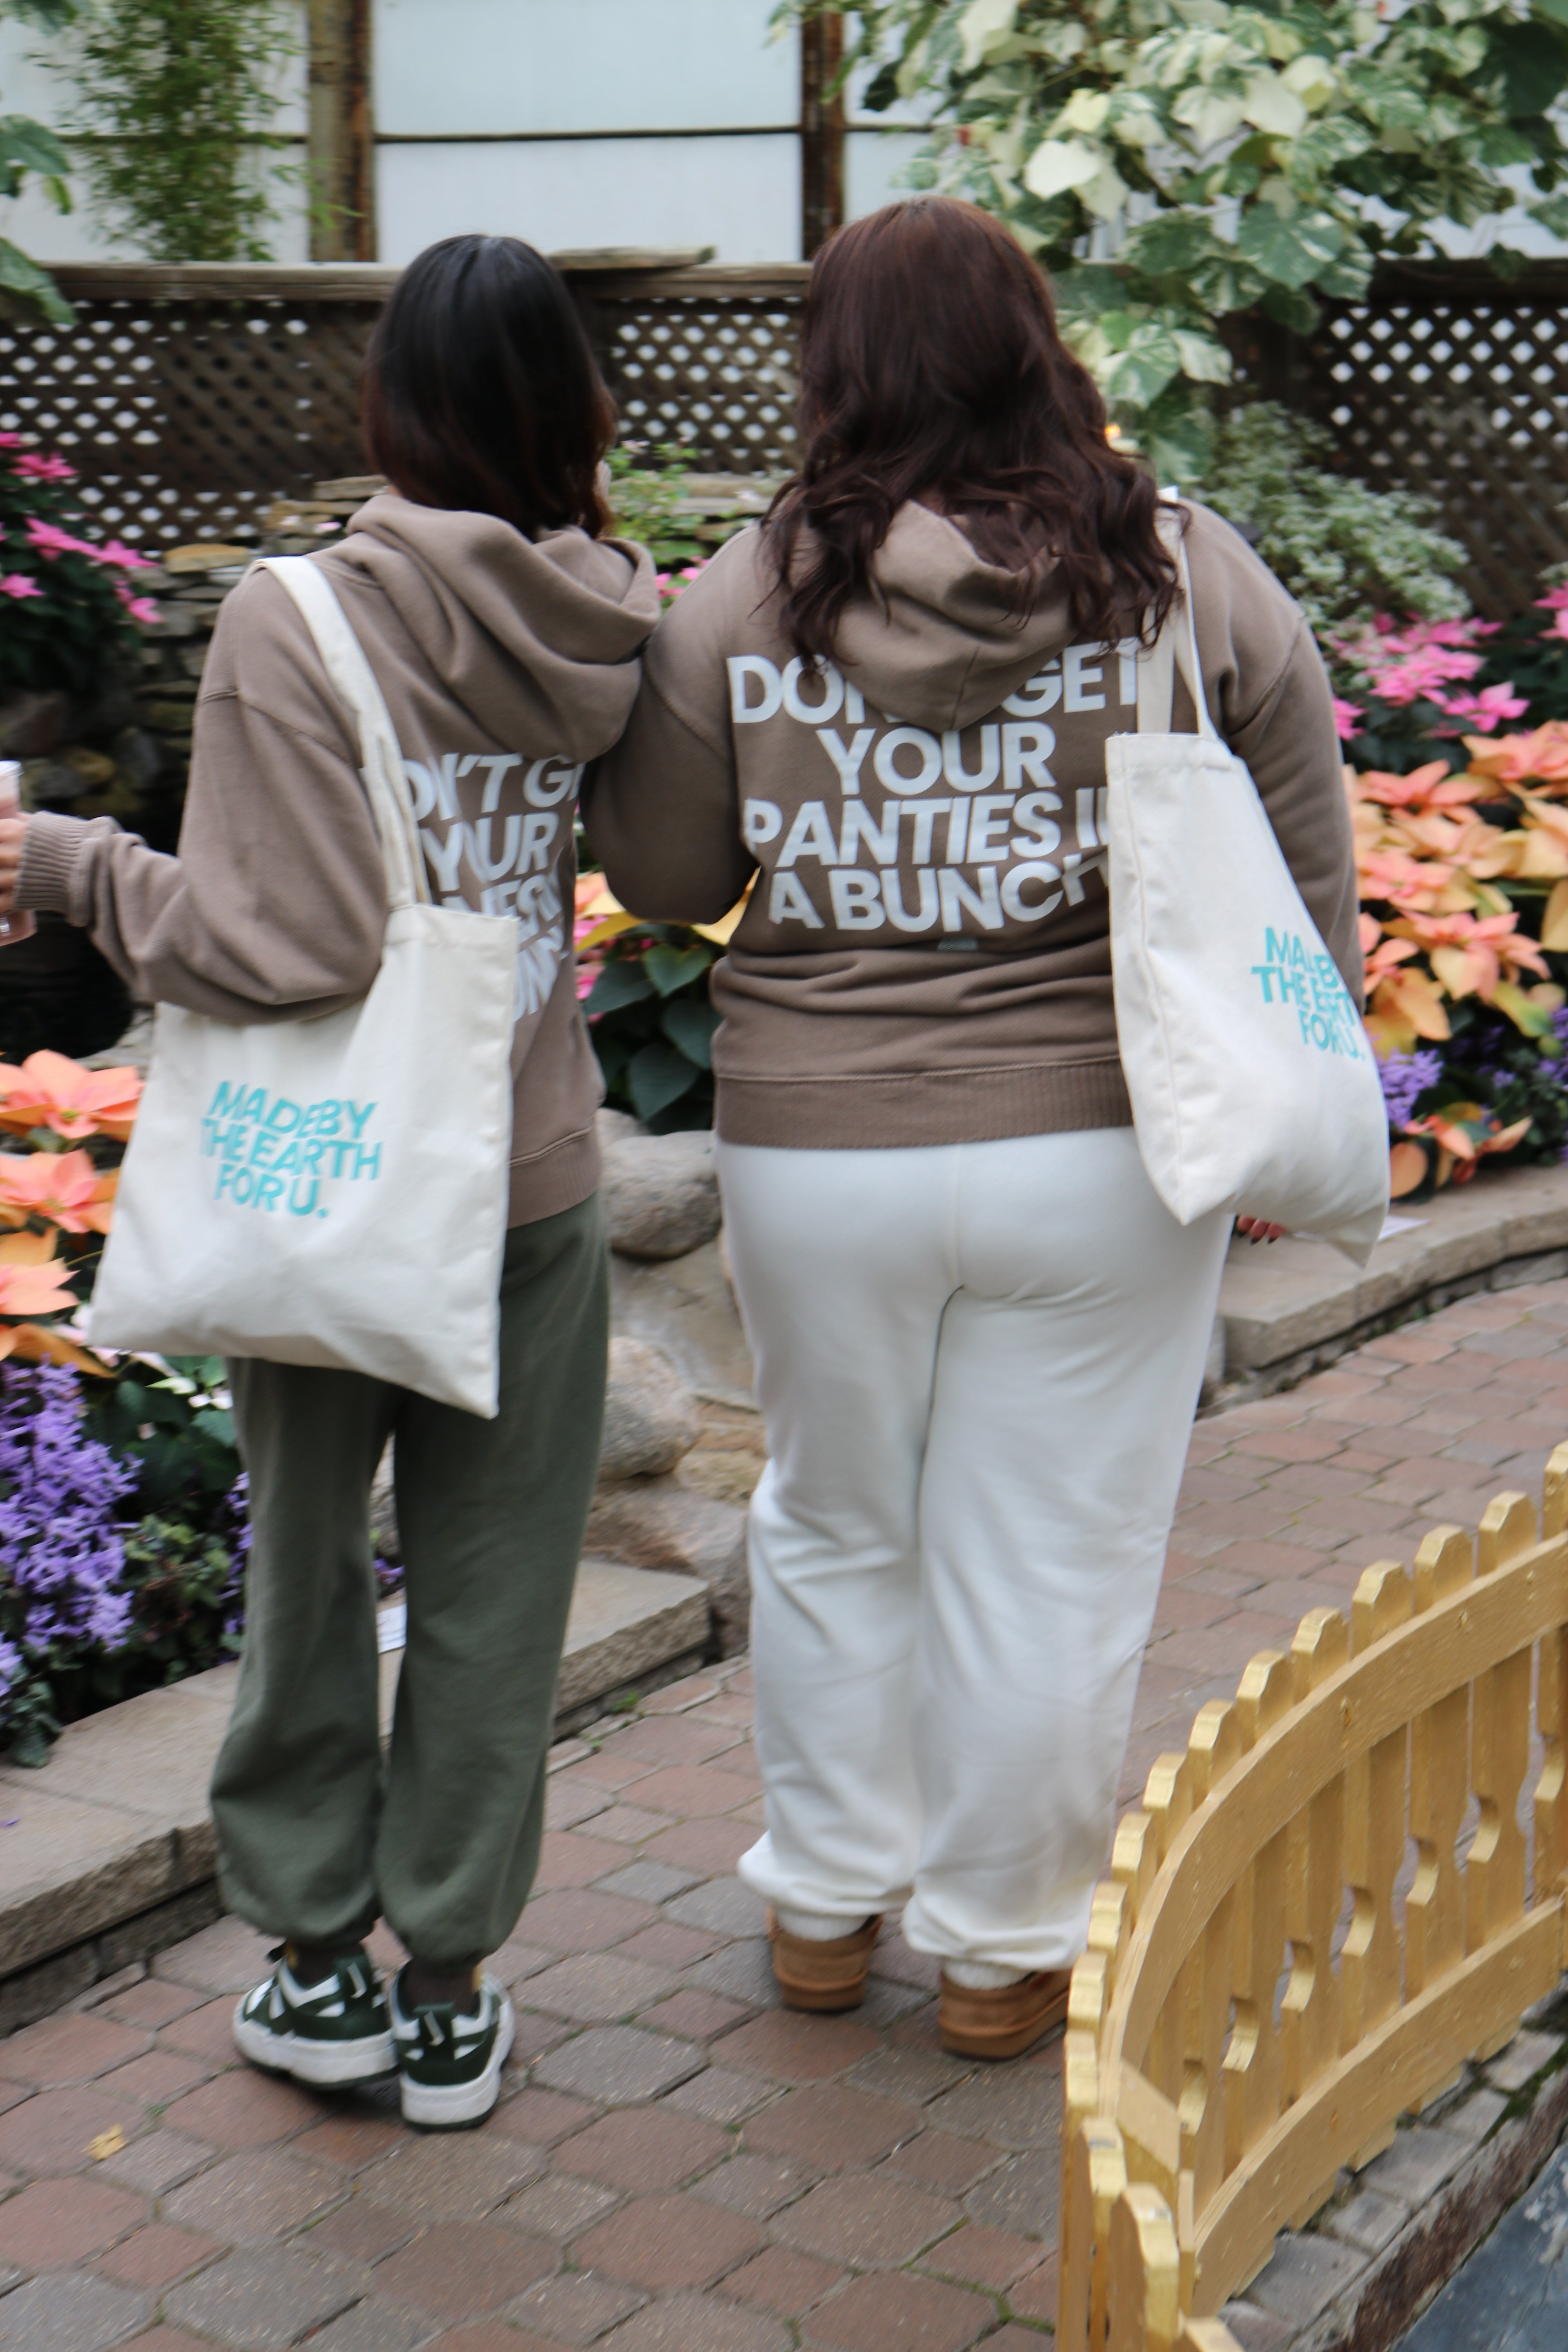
(481, 390)
(931, 365)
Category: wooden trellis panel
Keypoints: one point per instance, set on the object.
(188, 399)
(191, 397)
(704, 360)
(1450, 382)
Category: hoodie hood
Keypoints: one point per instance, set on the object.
(537, 639)
(938, 642)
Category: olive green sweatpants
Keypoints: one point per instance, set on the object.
(317, 1837)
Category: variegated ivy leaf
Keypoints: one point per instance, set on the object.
(1293, 250)
(1277, 122)
(1201, 359)
(1141, 370)
(1058, 163)
(1211, 115)
(984, 25)
(1270, 106)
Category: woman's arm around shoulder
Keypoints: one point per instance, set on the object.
(1269, 694)
(275, 906)
(661, 810)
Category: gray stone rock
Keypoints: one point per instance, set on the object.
(658, 1523)
(661, 1194)
(32, 724)
(652, 1419)
(615, 1127)
(686, 1306)
(383, 1532)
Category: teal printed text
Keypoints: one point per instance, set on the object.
(276, 1154)
(1309, 987)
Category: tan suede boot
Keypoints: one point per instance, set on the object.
(827, 1975)
(1006, 2021)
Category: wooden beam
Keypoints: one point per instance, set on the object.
(821, 132)
(352, 281)
(341, 138)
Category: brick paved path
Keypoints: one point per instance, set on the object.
(676, 2163)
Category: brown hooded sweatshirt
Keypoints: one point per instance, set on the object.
(925, 957)
(506, 662)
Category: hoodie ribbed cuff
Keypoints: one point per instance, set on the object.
(50, 848)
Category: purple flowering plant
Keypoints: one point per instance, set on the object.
(62, 1554)
(123, 1537)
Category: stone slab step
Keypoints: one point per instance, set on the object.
(626, 1624)
(115, 1826)
(1291, 1306)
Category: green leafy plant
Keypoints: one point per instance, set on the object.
(1174, 162)
(26, 146)
(184, 1586)
(178, 102)
(1346, 553)
(174, 1429)
(645, 501)
(652, 1025)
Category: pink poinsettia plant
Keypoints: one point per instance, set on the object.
(71, 601)
(1429, 662)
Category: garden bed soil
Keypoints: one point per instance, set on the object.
(107, 1852)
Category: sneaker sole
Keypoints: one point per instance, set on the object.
(321, 2063)
(447, 2107)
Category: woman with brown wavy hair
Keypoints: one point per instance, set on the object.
(978, 1333)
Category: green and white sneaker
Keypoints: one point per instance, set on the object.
(450, 2061)
(332, 2032)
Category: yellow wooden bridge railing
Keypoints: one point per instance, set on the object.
(1204, 2110)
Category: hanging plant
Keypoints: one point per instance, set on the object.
(26, 146)
(179, 100)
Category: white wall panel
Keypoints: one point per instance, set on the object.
(741, 195)
(872, 160)
(468, 66)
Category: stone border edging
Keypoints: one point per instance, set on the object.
(1367, 2265)
(1296, 1307)
(115, 1856)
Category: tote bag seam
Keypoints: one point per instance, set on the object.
(1162, 1023)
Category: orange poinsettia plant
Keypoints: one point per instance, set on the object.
(1464, 888)
(57, 1188)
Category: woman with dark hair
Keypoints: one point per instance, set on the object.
(505, 630)
(978, 1333)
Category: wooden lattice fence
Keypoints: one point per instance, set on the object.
(703, 359)
(1268, 1986)
(190, 397)
(1451, 382)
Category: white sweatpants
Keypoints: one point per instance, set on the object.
(978, 1365)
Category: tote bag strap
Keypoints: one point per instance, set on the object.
(343, 659)
(1175, 650)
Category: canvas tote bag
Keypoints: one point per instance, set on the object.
(334, 1192)
(1253, 1084)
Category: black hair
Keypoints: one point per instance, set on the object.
(482, 391)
